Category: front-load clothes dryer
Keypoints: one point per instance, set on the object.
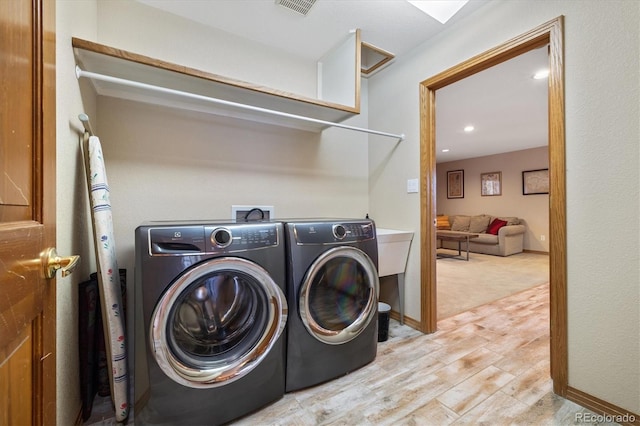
(214, 313)
(332, 292)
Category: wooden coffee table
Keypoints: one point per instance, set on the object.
(460, 237)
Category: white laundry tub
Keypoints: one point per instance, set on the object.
(393, 252)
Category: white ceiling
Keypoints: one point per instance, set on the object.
(393, 25)
(505, 105)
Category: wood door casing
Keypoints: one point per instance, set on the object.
(27, 212)
(550, 33)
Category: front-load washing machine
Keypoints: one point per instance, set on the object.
(332, 292)
(214, 313)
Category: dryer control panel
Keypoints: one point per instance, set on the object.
(333, 232)
(189, 240)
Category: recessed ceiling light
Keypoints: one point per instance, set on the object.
(469, 128)
(442, 10)
(445, 150)
(539, 75)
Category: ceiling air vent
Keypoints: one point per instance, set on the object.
(300, 6)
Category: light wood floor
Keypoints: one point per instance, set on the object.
(486, 366)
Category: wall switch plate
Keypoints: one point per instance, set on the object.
(250, 212)
(412, 186)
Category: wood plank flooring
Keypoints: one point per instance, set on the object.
(487, 366)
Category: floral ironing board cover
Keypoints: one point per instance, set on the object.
(108, 275)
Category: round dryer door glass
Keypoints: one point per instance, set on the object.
(217, 322)
(338, 298)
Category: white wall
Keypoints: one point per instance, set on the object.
(602, 134)
(532, 209)
(133, 26)
(73, 224)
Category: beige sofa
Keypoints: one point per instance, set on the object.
(508, 240)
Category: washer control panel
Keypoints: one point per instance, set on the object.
(189, 240)
(240, 237)
(333, 232)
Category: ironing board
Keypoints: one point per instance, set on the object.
(108, 275)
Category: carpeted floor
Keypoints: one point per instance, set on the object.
(483, 279)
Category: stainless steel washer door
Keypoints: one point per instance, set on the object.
(339, 295)
(217, 322)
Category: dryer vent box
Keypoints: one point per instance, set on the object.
(250, 213)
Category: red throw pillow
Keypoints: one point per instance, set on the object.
(495, 226)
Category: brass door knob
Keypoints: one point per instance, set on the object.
(52, 262)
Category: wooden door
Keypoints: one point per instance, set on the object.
(27, 212)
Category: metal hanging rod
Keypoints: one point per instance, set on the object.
(85, 122)
(95, 76)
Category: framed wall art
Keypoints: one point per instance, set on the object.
(455, 184)
(491, 183)
(535, 182)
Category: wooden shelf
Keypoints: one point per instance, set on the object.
(106, 60)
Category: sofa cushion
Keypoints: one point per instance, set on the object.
(495, 226)
(442, 222)
(509, 219)
(486, 239)
(478, 224)
(461, 223)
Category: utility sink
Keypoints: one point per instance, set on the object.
(393, 252)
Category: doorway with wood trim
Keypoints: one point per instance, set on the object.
(550, 33)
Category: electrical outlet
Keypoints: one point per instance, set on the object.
(542, 238)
